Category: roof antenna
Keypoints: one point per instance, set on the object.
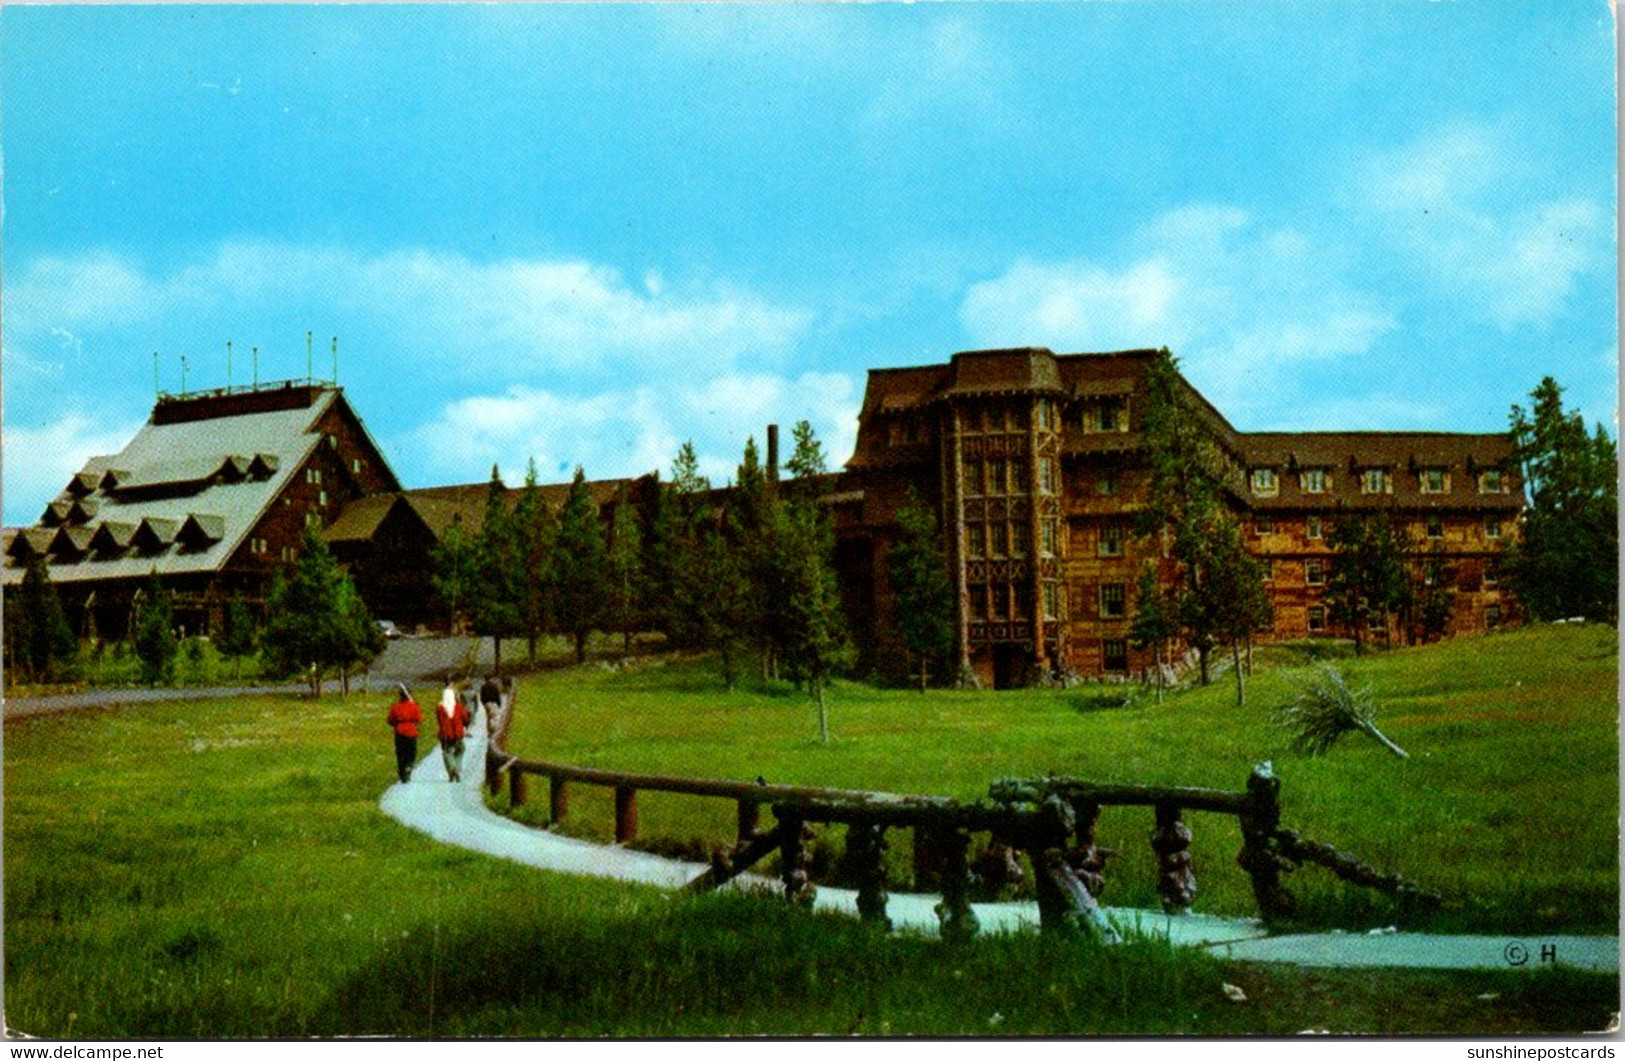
(307, 358)
(183, 375)
(335, 361)
(228, 366)
(256, 368)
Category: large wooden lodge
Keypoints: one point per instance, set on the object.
(1034, 461)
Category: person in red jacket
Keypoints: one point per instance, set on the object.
(452, 722)
(404, 716)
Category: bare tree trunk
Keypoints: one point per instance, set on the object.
(1241, 683)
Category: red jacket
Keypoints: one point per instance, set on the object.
(405, 715)
(451, 726)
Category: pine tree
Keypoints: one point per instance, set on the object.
(624, 582)
(1368, 579)
(154, 634)
(578, 565)
(921, 590)
(317, 620)
(40, 645)
(752, 514)
(454, 574)
(807, 455)
(238, 636)
(1567, 563)
(816, 644)
(495, 597)
(1156, 621)
(534, 535)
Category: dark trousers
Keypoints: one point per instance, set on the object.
(406, 755)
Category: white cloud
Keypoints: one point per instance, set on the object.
(630, 432)
(39, 460)
(1230, 298)
(517, 318)
(1452, 201)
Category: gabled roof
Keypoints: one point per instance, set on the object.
(183, 495)
(1344, 455)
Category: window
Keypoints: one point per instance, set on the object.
(1264, 484)
(313, 519)
(1115, 654)
(1492, 574)
(1317, 620)
(995, 476)
(975, 539)
(355, 466)
(1106, 485)
(1316, 530)
(1001, 539)
(1434, 481)
(1042, 409)
(1492, 617)
(1112, 601)
(1492, 529)
(1314, 572)
(1018, 602)
(1050, 597)
(321, 497)
(1314, 481)
(1111, 541)
(1018, 539)
(1047, 537)
(1018, 477)
(1435, 526)
(313, 475)
(1373, 481)
(973, 478)
(1263, 525)
(1046, 475)
(1375, 621)
(1432, 571)
(1491, 482)
(1107, 415)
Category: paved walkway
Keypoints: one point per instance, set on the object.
(456, 814)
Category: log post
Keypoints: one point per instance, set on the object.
(493, 774)
(516, 788)
(1064, 902)
(866, 848)
(950, 850)
(558, 799)
(794, 857)
(626, 814)
(1260, 855)
(1171, 841)
(749, 817)
(1087, 859)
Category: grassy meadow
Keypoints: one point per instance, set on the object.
(221, 869)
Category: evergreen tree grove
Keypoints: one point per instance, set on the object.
(578, 566)
(39, 643)
(153, 634)
(921, 588)
(317, 620)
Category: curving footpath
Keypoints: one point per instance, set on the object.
(457, 815)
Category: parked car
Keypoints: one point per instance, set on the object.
(390, 630)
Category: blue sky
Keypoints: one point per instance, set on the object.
(586, 233)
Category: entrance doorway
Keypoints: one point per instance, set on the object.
(1009, 666)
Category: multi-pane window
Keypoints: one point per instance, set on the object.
(313, 475)
(1374, 481)
(1492, 529)
(1043, 414)
(975, 539)
(1106, 485)
(1314, 573)
(1001, 539)
(1051, 610)
(1492, 616)
(1264, 484)
(1491, 482)
(1317, 620)
(1432, 571)
(1108, 414)
(977, 592)
(1435, 525)
(321, 497)
(1048, 537)
(1492, 574)
(1433, 481)
(1263, 525)
(1113, 601)
(1314, 481)
(1315, 527)
(1111, 541)
(1018, 539)
(1018, 602)
(995, 476)
(1115, 654)
(1018, 477)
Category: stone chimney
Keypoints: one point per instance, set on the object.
(772, 453)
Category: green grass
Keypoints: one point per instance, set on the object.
(1508, 804)
(221, 869)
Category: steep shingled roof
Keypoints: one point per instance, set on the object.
(178, 479)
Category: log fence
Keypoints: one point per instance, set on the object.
(1052, 820)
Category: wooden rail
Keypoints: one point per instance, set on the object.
(1052, 820)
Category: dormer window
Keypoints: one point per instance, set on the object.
(1374, 481)
(1491, 481)
(1264, 483)
(1434, 481)
(1313, 480)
